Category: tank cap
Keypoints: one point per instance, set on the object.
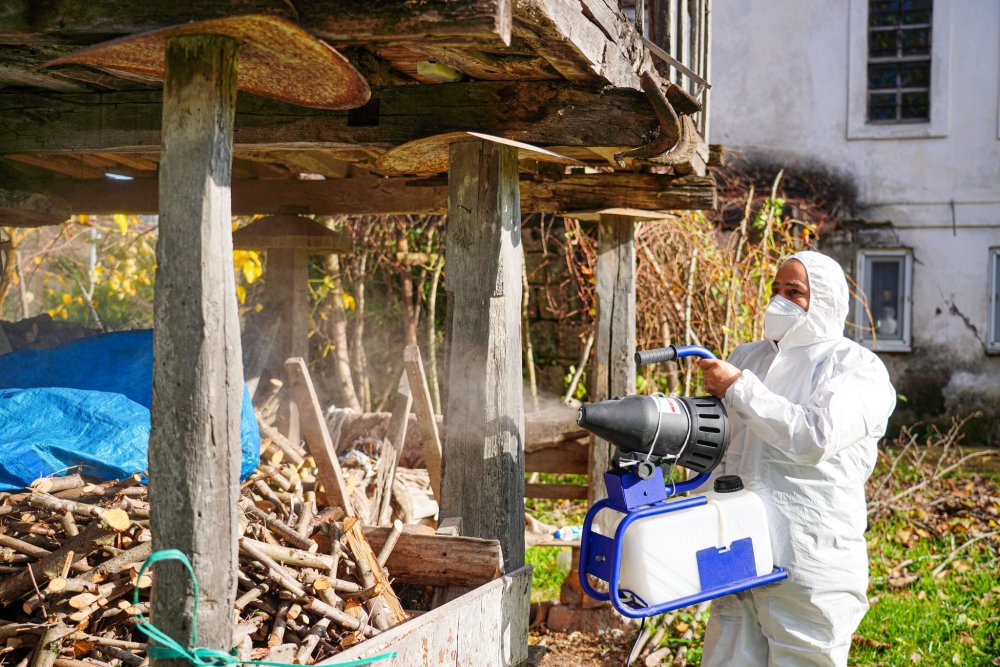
(728, 484)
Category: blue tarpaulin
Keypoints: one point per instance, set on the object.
(86, 403)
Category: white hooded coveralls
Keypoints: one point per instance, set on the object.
(805, 418)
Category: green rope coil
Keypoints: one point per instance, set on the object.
(167, 648)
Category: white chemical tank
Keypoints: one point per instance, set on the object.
(659, 562)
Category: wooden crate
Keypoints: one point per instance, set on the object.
(486, 627)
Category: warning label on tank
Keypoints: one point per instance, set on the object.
(668, 405)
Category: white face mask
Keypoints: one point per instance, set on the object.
(780, 316)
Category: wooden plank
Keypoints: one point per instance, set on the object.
(194, 443)
(613, 371)
(317, 436)
(61, 165)
(575, 192)
(568, 458)
(495, 616)
(569, 491)
(544, 113)
(430, 443)
(339, 21)
(483, 472)
(439, 560)
(392, 447)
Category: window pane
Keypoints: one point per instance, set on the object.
(882, 76)
(915, 11)
(915, 42)
(883, 12)
(899, 49)
(916, 106)
(882, 106)
(915, 75)
(882, 43)
(885, 297)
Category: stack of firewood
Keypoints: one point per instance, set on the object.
(310, 583)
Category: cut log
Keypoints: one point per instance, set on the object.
(439, 560)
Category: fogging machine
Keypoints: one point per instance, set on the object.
(651, 435)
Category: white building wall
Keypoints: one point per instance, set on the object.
(783, 75)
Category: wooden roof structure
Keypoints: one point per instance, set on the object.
(572, 77)
(564, 75)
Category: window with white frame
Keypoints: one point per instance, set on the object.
(899, 61)
(994, 309)
(883, 299)
(899, 54)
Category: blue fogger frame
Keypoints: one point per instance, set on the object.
(721, 571)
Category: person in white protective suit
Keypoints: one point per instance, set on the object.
(806, 407)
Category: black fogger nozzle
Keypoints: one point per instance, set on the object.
(692, 430)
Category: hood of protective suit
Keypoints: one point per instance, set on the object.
(828, 302)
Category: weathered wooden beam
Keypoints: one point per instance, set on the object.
(20, 208)
(613, 372)
(69, 22)
(194, 445)
(286, 301)
(576, 192)
(570, 491)
(545, 113)
(583, 39)
(483, 467)
(565, 458)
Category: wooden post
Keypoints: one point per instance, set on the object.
(287, 287)
(614, 346)
(483, 466)
(194, 445)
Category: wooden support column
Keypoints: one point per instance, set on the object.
(194, 445)
(289, 240)
(483, 467)
(614, 346)
(287, 298)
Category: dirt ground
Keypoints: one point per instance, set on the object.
(584, 649)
